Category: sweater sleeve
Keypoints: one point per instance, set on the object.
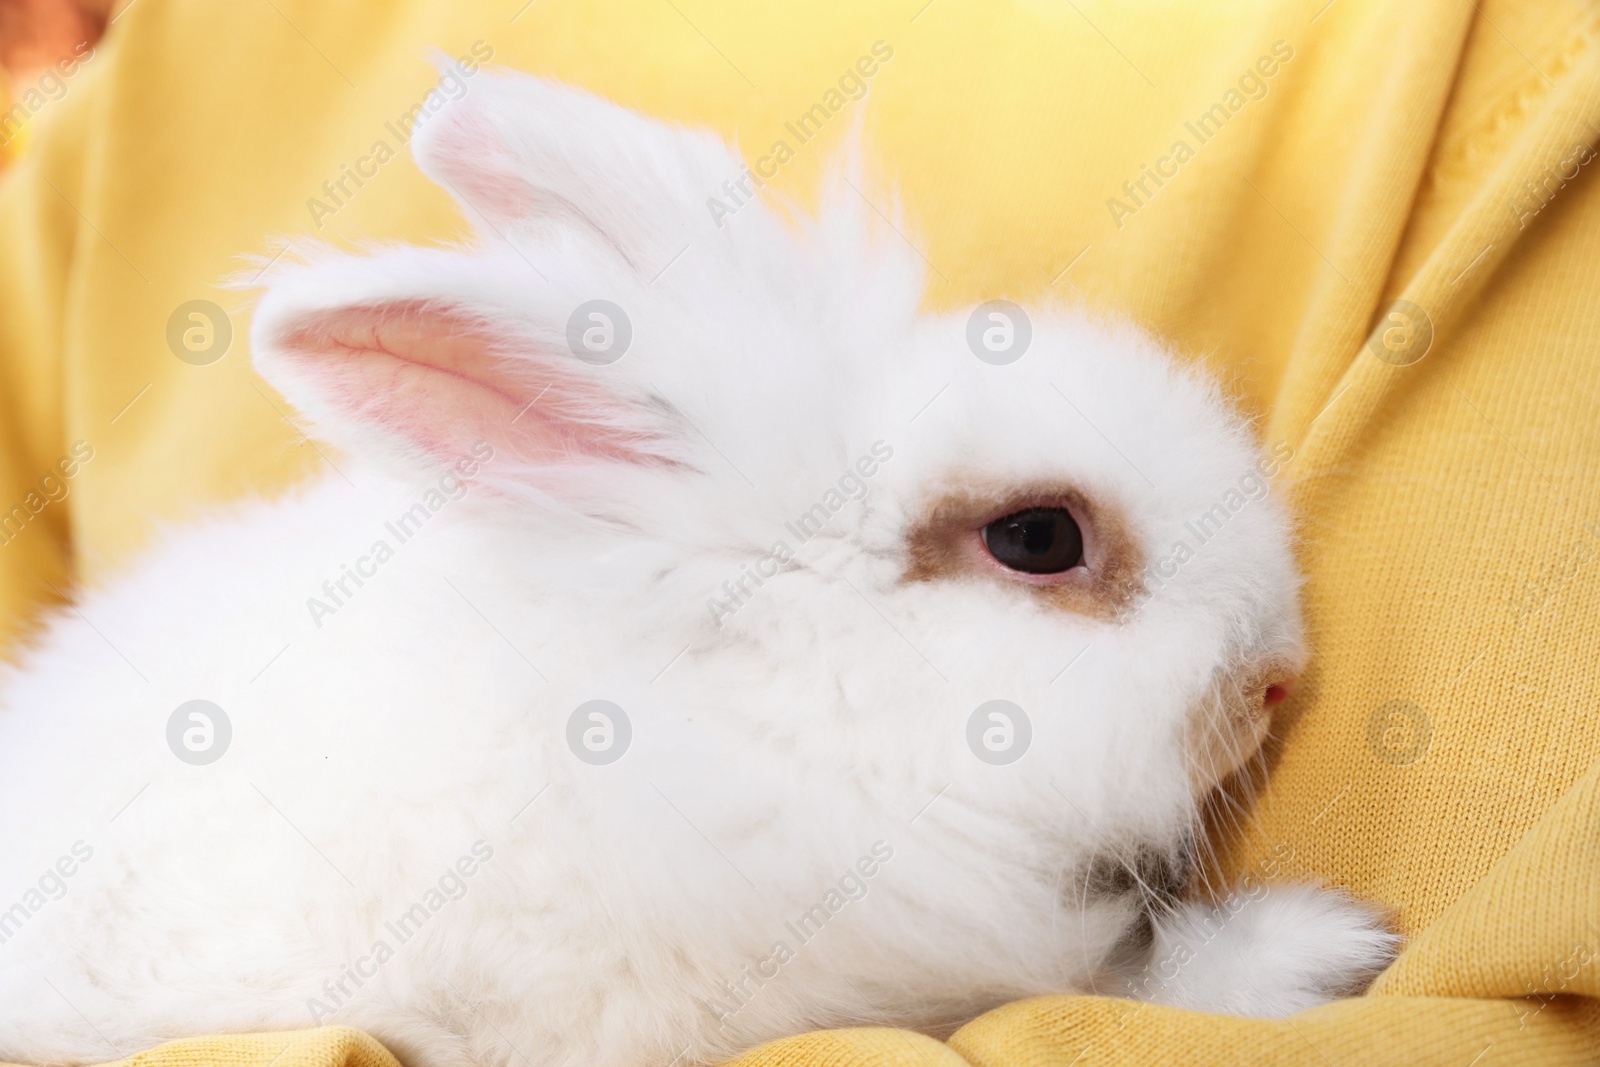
(40, 229)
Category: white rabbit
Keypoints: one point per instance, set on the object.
(765, 509)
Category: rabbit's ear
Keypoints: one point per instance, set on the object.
(520, 153)
(428, 381)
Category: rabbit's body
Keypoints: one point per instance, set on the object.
(413, 828)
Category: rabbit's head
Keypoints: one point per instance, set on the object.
(864, 524)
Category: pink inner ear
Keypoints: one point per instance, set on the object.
(446, 380)
(465, 153)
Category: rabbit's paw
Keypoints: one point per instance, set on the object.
(1269, 953)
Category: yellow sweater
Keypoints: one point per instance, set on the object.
(1380, 222)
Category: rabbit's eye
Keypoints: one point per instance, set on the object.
(1036, 541)
(1045, 539)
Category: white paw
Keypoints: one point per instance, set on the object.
(1270, 952)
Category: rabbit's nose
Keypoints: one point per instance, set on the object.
(1232, 720)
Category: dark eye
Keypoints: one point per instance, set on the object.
(1036, 541)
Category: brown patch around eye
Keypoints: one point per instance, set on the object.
(946, 544)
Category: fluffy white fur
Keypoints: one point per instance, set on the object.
(1265, 953)
(629, 914)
